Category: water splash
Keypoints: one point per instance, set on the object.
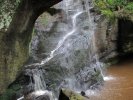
(44, 92)
(39, 83)
(108, 78)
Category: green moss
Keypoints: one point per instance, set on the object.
(72, 95)
(11, 93)
(7, 95)
(112, 61)
(114, 8)
(11, 61)
(15, 62)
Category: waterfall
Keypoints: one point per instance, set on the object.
(63, 39)
(84, 38)
(39, 80)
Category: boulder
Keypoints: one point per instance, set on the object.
(71, 95)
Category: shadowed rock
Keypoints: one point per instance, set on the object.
(40, 95)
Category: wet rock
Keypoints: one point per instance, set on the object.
(44, 97)
(40, 95)
(106, 38)
(62, 96)
(82, 93)
(72, 95)
(114, 38)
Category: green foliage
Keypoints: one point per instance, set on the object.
(110, 2)
(129, 6)
(110, 7)
(107, 12)
(100, 4)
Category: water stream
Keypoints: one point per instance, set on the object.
(61, 42)
(78, 15)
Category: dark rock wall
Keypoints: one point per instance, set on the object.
(114, 38)
(125, 37)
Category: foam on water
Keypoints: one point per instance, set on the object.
(108, 78)
(41, 92)
(91, 93)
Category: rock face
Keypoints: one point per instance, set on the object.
(67, 94)
(125, 36)
(12, 57)
(106, 38)
(114, 38)
(14, 45)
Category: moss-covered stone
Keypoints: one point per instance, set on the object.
(12, 93)
(72, 95)
(12, 57)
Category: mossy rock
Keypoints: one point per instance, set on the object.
(13, 56)
(73, 95)
(12, 92)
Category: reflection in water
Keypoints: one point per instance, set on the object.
(119, 84)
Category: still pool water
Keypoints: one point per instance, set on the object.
(118, 83)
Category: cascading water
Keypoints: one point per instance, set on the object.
(63, 39)
(77, 43)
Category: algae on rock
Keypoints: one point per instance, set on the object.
(12, 57)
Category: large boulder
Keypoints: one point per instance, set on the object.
(67, 94)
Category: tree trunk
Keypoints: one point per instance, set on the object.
(14, 44)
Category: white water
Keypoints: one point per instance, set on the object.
(93, 56)
(21, 98)
(60, 43)
(63, 39)
(108, 78)
(39, 80)
(44, 92)
(39, 83)
(93, 45)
